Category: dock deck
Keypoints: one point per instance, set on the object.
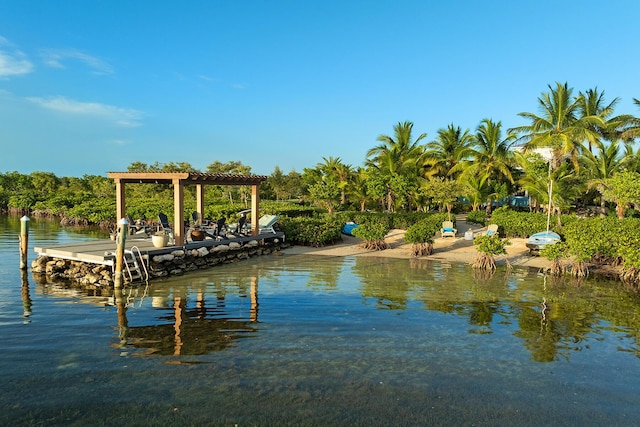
(103, 251)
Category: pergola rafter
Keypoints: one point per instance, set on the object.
(179, 180)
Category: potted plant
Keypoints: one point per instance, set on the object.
(160, 239)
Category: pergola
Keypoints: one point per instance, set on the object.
(179, 180)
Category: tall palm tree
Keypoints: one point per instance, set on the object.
(396, 157)
(451, 147)
(592, 103)
(560, 127)
(491, 157)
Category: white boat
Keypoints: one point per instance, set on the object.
(538, 241)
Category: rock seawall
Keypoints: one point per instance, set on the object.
(174, 263)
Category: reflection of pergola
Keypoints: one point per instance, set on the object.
(179, 180)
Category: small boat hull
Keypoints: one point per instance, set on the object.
(540, 240)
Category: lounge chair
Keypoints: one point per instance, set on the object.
(492, 229)
(448, 229)
(266, 223)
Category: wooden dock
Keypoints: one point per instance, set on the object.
(103, 251)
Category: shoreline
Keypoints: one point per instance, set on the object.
(447, 249)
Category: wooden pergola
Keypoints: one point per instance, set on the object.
(179, 180)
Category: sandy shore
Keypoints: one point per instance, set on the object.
(447, 249)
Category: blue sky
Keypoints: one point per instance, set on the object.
(88, 87)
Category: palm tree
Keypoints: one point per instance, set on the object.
(334, 166)
(451, 147)
(491, 157)
(560, 126)
(633, 129)
(396, 158)
(358, 189)
(603, 164)
(592, 103)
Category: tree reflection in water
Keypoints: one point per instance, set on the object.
(552, 320)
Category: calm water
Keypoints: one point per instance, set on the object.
(304, 340)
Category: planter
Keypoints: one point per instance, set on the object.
(197, 235)
(160, 240)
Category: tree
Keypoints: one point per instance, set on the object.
(451, 147)
(603, 164)
(442, 191)
(623, 189)
(395, 162)
(560, 126)
(277, 181)
(334, 166)
(491, 158)
(358, 189)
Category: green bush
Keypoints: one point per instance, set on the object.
(477, 217)
(316, 231)
(371, 231)
(422, 232)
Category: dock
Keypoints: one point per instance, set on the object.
(93, 262)
(103, 251)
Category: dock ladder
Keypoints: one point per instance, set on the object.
(135, 264)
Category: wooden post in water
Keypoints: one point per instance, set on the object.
(120, 241)
(24, 241)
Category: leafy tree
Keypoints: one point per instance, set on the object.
(623, 188)
(442, 191)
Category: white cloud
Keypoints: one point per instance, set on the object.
(56, 57)
(12, 61)
(124, 117)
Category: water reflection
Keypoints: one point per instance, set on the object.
(26, 296)
(187, 322)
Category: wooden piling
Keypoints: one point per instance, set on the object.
(120, 241)
(24, 241)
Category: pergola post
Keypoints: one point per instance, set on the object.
(255, 210)
(200, 201)
(178, 212)
(120, 200)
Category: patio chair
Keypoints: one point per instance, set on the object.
(164, 226)
(221, 227)
(448, 229)
(138, 227)
(266, 223)
(492, 229)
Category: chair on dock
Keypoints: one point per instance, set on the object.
(266, 223)
(164, 225)
(138, 226)
(221, 227)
